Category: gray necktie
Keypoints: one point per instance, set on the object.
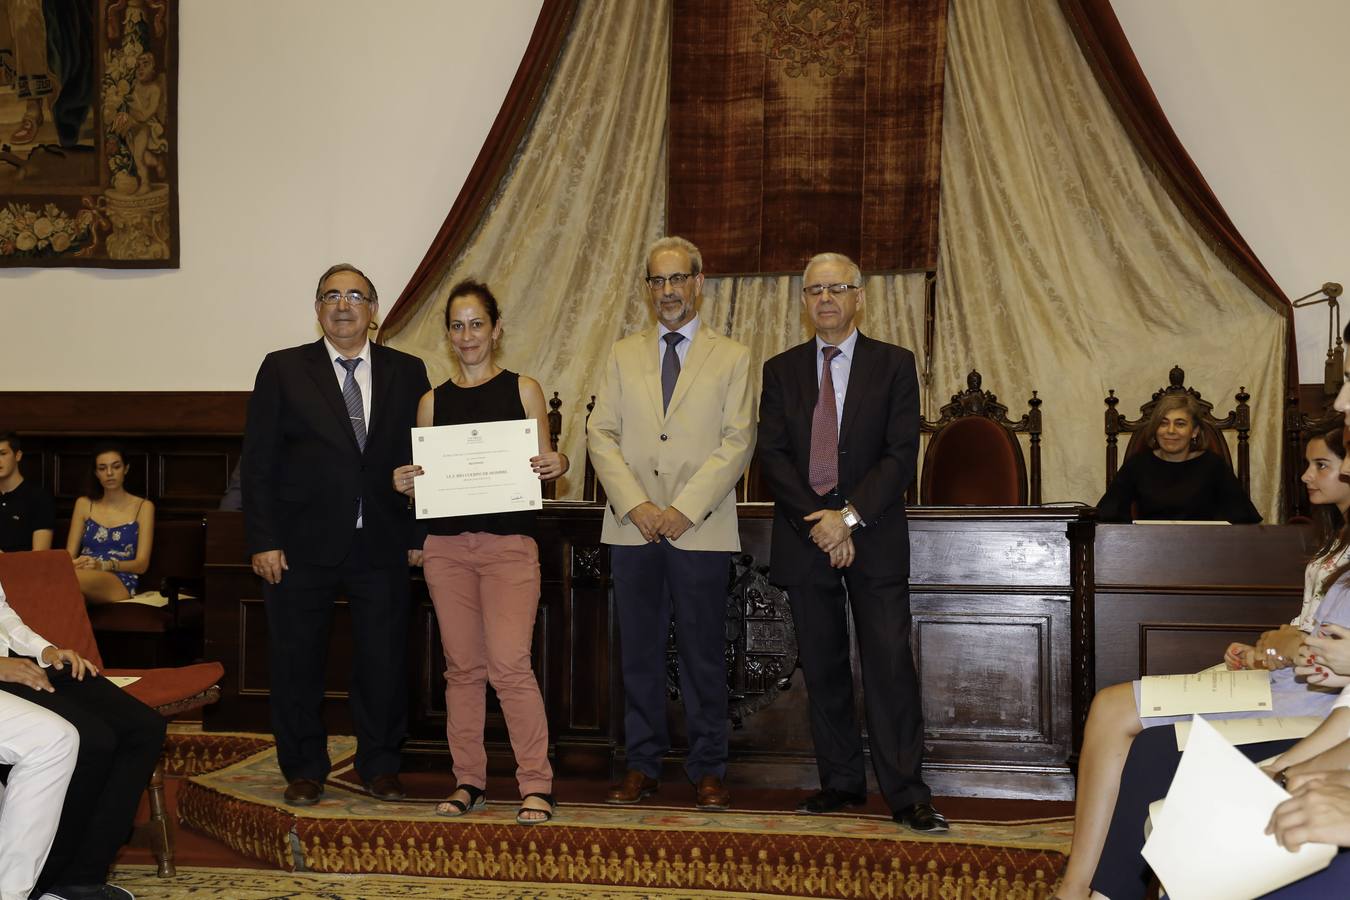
(351, 395)
(670, 367)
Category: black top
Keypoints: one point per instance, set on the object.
(24, 510)
(495, 400)
(1148, 487)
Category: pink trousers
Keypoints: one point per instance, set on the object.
(485, 588)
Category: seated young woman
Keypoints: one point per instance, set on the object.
(1114, 720)
(1178, 478)
(111, 532)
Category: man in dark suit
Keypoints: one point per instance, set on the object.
(327, 424)
(838, 439)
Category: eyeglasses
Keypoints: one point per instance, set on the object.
(836, 290)
(354, 297)
(657, 282)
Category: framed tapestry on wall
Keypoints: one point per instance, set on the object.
(89, 133)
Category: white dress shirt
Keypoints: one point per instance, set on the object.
(16, 636)
(362, 375)
(840, 367)
(682, 348)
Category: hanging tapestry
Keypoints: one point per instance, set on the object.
(798, 126)
(88, 133)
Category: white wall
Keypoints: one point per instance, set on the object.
(1256, 91)
(310, 131)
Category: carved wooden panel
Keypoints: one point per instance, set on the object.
(194, 476)
(1013, 551)
(1181, 557)
(1163, 634)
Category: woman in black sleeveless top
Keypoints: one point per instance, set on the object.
(483, 571)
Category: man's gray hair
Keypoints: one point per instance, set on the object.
(346, 267)
(678, 243)
(834, 258)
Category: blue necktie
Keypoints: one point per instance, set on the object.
(670, 367)
(351, 394)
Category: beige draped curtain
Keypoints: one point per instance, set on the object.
(1065, 268)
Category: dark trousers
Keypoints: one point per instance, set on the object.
(650, 581)
(120, 741)
(299, 613)
(1122, 873)
(880, 607)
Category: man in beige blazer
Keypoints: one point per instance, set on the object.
(672, 431)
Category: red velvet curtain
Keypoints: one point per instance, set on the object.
(508, 130)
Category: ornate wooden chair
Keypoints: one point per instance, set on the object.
(974, 458)
(1239, 420)
(41, 587)
(549, 489)
(592, 491)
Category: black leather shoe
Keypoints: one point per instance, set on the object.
(303, 792)
(829, 800)
(386, 787)
(921, 817)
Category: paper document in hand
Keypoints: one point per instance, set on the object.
(476, 469)
(1205, 692)
(1209, 840)
(1257, 730)
(123, 680)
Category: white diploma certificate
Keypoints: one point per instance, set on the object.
(476, 469)
(1208, 840)
(1255, 731)
(1205, 692)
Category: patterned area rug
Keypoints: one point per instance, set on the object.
(604, 847)
(250, 884)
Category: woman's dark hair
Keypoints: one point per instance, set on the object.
(1328, 522)
(470, 288)
(96, 483)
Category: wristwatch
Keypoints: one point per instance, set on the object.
(851, 517)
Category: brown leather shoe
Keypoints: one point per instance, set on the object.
(386, 787)
(712, 794)
(634, 788)
(303, 792)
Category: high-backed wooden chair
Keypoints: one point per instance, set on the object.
(41, 587)
(549, 489)
(592, 490)
(974, 457)
(1239, 420)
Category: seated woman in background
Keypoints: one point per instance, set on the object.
(1178, 479)
(111, 532)
(1114, 719)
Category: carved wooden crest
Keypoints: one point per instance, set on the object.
(761, 642)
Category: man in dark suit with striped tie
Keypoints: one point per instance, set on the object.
(328, 423)
(838, 440)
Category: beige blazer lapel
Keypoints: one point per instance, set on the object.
(699, 350)
(649, 364)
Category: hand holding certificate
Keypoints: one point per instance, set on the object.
(476, 469)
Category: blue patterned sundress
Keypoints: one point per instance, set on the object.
(113, 542)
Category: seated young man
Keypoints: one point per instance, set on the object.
(120, 740)
(27, 514)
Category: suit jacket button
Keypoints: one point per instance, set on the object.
(663, 437)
